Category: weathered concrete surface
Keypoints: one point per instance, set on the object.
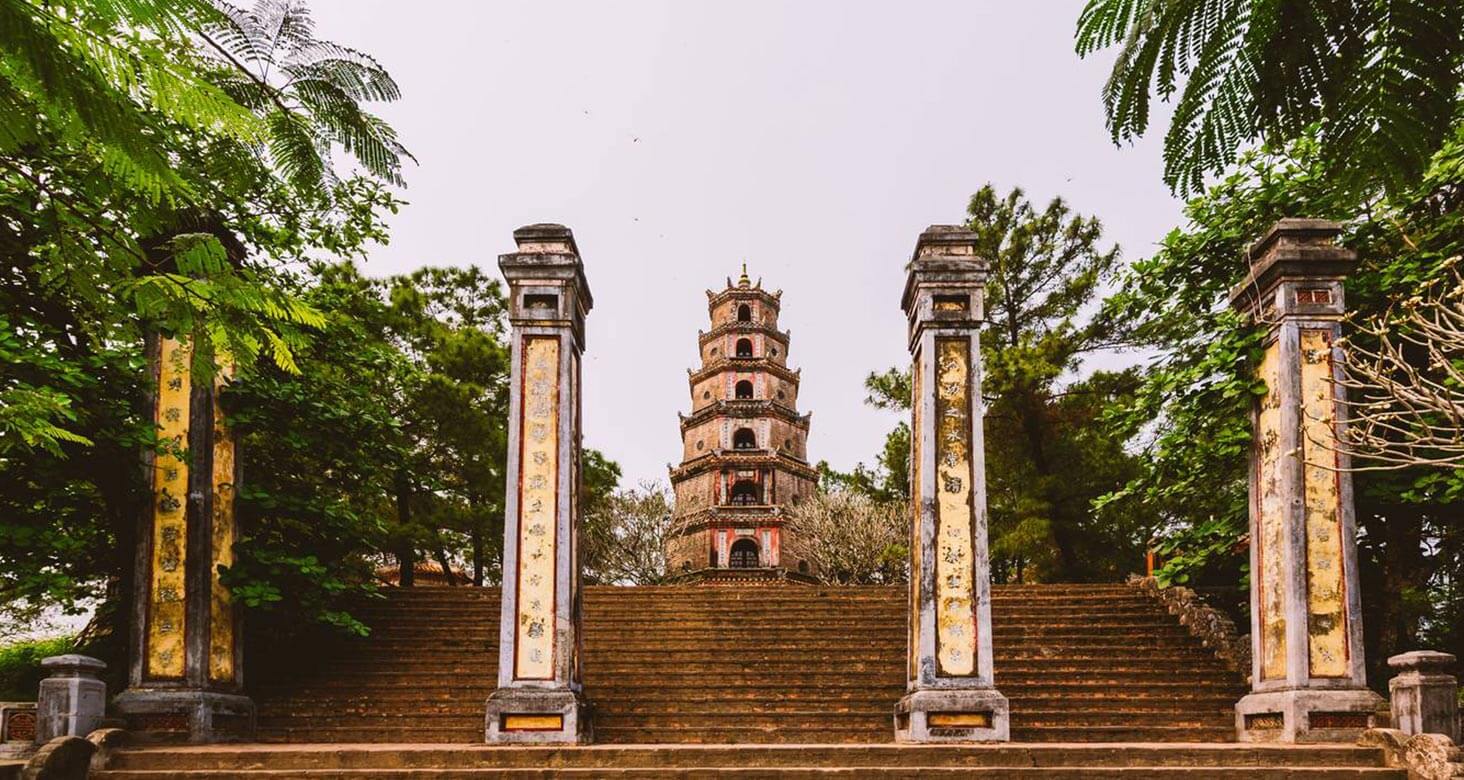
(106, 742)
(1308, 677)
(1424, 756)
(949, 673)
(63, 758)
(538, 695)
(1425, 695)
(72, 701)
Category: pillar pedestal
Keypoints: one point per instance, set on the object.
(952, 696)
(1308, 681)
(539, 699)
(186, 677)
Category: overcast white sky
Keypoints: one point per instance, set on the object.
(813, 139)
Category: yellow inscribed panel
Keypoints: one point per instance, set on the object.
(221, 611)
(958, 720)
(538, 508)
(1271, 522)
(1325, 589)
(165, 609)
(533, 722)
(954, 549)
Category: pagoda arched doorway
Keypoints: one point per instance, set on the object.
(744, 554)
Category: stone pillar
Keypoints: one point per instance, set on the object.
(185, 681)
(539, 697)
(1425, 696)
(1308, 681)
(952, 696)
(72, 700)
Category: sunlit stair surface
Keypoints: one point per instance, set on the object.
(777, 681)
(785, 664)
(1048, 761)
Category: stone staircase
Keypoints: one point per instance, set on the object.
(756, 682)
(733, 762)
(774, 664)
(778, 663)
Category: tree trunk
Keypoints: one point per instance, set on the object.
(406, 554)
(476, 538)
(441, 555)
(1403, 571)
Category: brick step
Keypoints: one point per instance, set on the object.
(747, 756)
(792, 773)
(1056, 664)
(793, 659)
(608, 670)
(1137, 606)
(1123, 733)
(824, 718)
(1082, 690)
(698, 678)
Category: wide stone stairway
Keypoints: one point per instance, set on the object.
(770, 681)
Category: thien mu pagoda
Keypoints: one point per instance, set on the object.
(744, 446)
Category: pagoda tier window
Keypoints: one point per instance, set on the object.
(744, 313)
(744, 439)
(744, 554)
(744, 348)
(746, 494)
(744, 390)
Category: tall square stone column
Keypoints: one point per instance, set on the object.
(539, 700)
(186, 672)
(952, 696)
(1308, 681)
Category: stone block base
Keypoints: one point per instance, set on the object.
(953, 716)
(1309, 715)
(536, 716)
(171, 715)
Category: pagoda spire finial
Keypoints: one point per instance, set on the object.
(743, 281)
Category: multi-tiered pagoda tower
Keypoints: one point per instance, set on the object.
(745, 446)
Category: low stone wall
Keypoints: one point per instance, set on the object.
(1211, 626)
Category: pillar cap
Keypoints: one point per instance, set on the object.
(539, 236)
(1423, 660)
(547, 253)
(73, 662)
(945, 241)
(944, 255)
(1293, 249)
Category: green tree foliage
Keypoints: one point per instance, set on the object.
(307, 91)
(1383, 78)
(1048, 451)
(20, 666)
(1193, 405)
(390, 441)
(136, 196)
(1047, 459)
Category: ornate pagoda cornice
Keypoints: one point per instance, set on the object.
(717, 516)
(717, 459)
(726, 364)
(744, 410)
(739, 293)
(703, 336)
